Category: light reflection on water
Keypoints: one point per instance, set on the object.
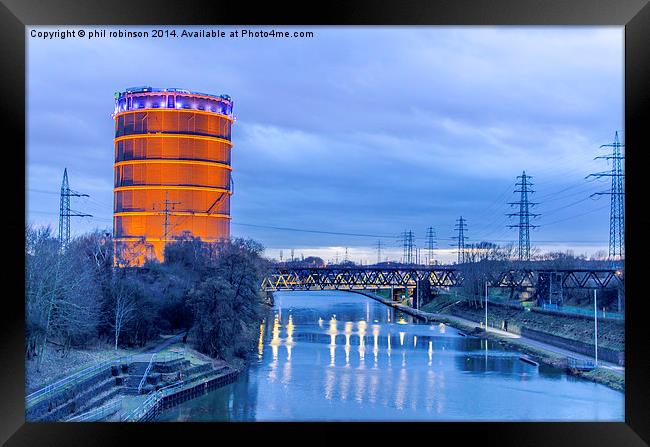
(313, 363)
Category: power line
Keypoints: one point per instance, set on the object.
(209, 210)
(573, 217)
(490, 210)
(103, 219)
(424, 239)
(43, 212)
(558, 194)
(302, 230)
(566, 206)
(42, 191)
(494, 225)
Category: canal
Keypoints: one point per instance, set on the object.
(337, 356)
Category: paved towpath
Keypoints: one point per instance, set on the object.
(165, 344)
(509, 335)
(534, 343)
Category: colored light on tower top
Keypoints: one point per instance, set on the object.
(172, 170)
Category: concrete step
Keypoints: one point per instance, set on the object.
(99, 400)
(71, 406)
(138, 368)
(131, 391)
(170, 366)
(199, 369)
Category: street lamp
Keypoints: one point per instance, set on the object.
(595, 329)
(486, 324)
(486, 304)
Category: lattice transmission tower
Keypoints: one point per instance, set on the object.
(461, 227)
(617, 200)
(431, 244)
(167, 211)
(524, 215)
(65, 213)
(408, 243)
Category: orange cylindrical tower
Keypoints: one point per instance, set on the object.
(172, 170)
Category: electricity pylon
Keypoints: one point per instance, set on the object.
(408, 241)
(461, 227)
(431, 242)
(524, 215)
(65, 213)
(617, 202)
(167, 212)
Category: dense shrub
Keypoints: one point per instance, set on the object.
(226, 304)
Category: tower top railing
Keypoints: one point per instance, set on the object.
(147, 89)
(140, 98)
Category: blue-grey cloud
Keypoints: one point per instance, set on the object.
(368, 130)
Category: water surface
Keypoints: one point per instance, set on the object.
(337, 356)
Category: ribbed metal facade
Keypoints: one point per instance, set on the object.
(172, 170)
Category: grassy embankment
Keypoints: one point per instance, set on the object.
(603, 376)
(57, 365)
(611, 334)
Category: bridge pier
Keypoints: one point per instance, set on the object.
(422, 292)
(550, 287)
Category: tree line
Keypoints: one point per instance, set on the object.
(76, 298)
(488, 260)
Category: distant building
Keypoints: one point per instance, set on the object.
(172, 170)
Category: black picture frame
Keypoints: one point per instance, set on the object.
(633, 14)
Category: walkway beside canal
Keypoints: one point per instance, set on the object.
(122, 387)
(465, 324)
(530, 342)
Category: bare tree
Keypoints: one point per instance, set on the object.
(62, 299)
(124, 308)
(42, 287)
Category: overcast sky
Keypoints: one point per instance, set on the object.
(360, 130)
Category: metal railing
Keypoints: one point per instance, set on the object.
(137, 413)
(85, 373)
(154, 397)
(589, 312)
(585, 364)
(150, 402)
(98, 413)
(146, 372)
(71, 380)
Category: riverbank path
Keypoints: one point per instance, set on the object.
(508, 335)
(533, 343)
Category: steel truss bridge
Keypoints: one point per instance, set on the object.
(360, 278)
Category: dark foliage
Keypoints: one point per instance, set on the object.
(75, 296)
(226, 303)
